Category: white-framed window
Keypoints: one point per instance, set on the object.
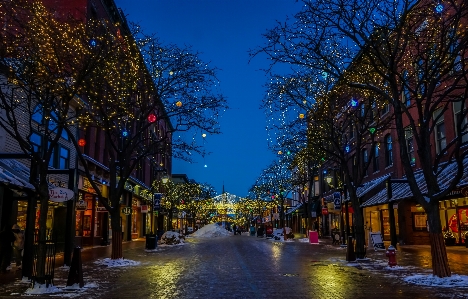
(410, 144)
(459, 117)
(441, 139)
(388, 151)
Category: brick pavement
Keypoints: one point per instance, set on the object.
(251, 267)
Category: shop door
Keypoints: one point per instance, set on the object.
(59, 225)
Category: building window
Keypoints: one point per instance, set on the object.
(441, 142)
(385, 109)
(410, 145)
(376, 157)
(363, 110)
(388, 151)
(38, 117)
(406, 97)
(36, 141)
(365, 160)
(64, 158)
(460, 118)
(419, 221)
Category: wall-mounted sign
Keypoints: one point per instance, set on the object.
(81, 205)
(127, 210)
(59, 194)
(144, 208)
(325, 211)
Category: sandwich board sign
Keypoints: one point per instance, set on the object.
(377, 241)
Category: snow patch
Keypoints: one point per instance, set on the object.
(460, 281)
(42, 289)
(116, 263)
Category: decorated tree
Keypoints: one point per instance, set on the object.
(45, 63)
(412, 55)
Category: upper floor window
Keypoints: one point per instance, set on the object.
(410, 145)
(441, 142)
(63, 158)
(388, 151)
(365, 160)
(376, 157)
(363, 110)
(406, 96)
(460, 119)
(52, 125)
(385, 109)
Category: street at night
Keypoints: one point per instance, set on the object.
(251, 267)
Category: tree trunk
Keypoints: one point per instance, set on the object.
(116, 252)
(42, 244)
(359, 233)
(440, 264)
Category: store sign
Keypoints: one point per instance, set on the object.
(127, 210)
(59, 194)
(325, 211)
(144, 208)
(81, 205)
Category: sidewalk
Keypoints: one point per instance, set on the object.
(88, 254)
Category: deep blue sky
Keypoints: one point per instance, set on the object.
(223, 31)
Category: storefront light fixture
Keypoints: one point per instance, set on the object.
(165, 179)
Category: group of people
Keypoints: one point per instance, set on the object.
(237, 229)
(11, 241)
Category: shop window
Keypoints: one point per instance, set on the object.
(419, 221)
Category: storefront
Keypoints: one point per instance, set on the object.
(92, 225)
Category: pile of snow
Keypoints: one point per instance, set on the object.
(42, 289)
(210, 231)
(434, 281)
(171, 238)
(116, 263)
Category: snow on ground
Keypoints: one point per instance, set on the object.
(460, 281)
(172, 238)
(210, 231)
(116, 263)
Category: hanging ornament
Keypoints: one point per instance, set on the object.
(280, 152)
(81, 142)
(151, 118)
(124, 133)
(354, 102)
(203, 135)
(179, 104)
(93, 42)
(171, 73)
(439, 8)
(301, 116)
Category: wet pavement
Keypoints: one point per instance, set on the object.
(251, 267)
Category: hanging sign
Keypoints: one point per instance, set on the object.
(157, 201)
(127, 210)
(377, 241)
(325, 211)
(144, 208)
(337, 200)
(59, 194)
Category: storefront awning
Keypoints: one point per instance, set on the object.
(293, 209)
(15, 174)
(402, 191)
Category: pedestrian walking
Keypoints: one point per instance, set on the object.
(6, 239)
(18, 245)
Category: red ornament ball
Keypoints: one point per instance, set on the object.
(81, 142)
(151, 118)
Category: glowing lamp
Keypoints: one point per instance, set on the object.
(347, 148)
(280, 152)
(81, 142)
(354, 102)
(179, 104)
(203, 135)
(151, 118)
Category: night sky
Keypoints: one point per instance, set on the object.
(223, 31)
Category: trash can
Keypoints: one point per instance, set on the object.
(151, 241)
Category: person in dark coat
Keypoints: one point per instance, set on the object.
(6, 239)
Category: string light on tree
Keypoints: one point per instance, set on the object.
(151, 118)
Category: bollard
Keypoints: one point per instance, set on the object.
(350, 255)
(391, 253)
(76, 272)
